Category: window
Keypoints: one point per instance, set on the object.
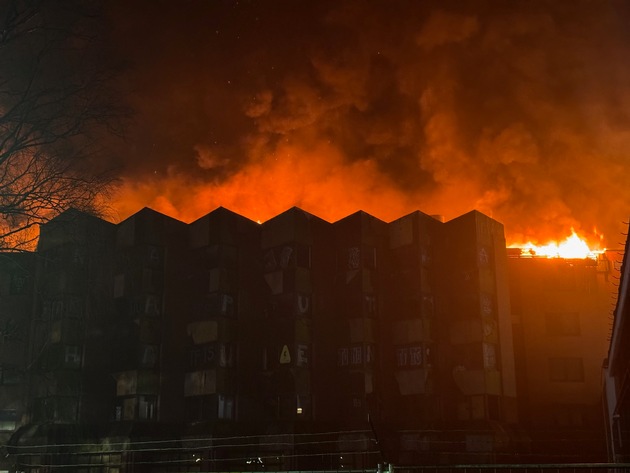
(369, 257)
(200, 408)
(220, 304)
(226, 355)
(226, 407)
(568, 415)
(354, 258)
(304, 304)
(10, 375)
(119, 285)
(563, 323)
(72, 358)
(154, 257)
(427, 306)
(147, 408)
(489, 356)
(301, 355)
(356, 355)
(200, 382)
(153, 305)
(203, 356)
(10, 330)
(152, 280)
(57, 310)
(409, 356)
(288, 256)
(8, 419)
(18, 284)
(343, 357)
(370, 306)
(220, 256)
(220, 279)
(487, 304)
(75, 307)
(360, 257)
(289, 305)
(148, 355)
(265, 359)
(566, 369)
(370, 352)
(483, 256)
(78, 256)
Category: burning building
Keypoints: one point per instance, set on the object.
(300, 343)
(561, 323)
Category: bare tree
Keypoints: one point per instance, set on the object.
(57, 104)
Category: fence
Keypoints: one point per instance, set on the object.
(511, 468)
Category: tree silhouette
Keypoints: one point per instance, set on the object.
(57, 106)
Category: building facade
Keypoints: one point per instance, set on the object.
(561, 311)
(225, 344)
(616, 390)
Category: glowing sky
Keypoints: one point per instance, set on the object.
(518, 109)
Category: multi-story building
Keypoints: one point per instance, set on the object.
(17, 271)
(297, 343)
(67, 346)
(150, 280)
(617, 372)
(359, 288)
(561, 321)
(296, 271)
(454, 351)
(222, 369)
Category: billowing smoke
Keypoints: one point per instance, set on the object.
(518, 109)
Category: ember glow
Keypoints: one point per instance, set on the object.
(573, 247)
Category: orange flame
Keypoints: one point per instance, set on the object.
(573, 247)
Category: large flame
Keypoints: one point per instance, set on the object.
(573, 247)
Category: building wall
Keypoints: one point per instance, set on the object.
(16, 299)
(395, 341)
(561, 311)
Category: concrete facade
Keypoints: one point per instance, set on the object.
(224, 344)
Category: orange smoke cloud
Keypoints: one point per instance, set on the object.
(317, 180)
(520, 112)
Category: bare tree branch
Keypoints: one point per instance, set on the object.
(56, 100)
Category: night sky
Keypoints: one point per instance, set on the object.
(519, 109)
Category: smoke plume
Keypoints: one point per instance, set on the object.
(518, 109)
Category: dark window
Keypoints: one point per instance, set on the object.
(287, 256)
(225, 407)
(409, 356)
(568, 415)
(223, 256)
(370, 306)
(8, 419)
(369, 257)
(148, 355)
(10, 375)
(152, 280)
(147, 408)
(289, 305)
(214, 305)
(343, 356)
(75, 307)
(18, 284)
(566, 369)
(201, 408)
(563, 323)
(72, 356)
(154, 257)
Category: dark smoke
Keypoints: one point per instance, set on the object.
(519, 109)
